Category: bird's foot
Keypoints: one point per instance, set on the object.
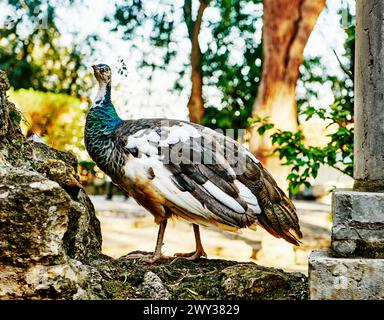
(156, 258)
(145, 257)
(192, 255)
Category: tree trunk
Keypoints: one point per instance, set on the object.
(287, 25)
(196, 102)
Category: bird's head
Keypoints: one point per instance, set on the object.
(102, 73)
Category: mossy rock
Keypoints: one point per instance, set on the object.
(204, 279)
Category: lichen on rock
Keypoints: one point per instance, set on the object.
(48, 227)
(210, 279)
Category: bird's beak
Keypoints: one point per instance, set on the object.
(95, 72)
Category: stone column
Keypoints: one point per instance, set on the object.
(353, 268)
(369, 95)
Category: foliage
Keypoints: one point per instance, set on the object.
(232, 63)
(88, 165)
(57, 118)
(305, 159)
(132, 20)
(32, 53)
(231, 49)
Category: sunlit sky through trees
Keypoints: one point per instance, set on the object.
(135, 96)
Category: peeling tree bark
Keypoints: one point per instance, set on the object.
(287, 25)
(196, 101)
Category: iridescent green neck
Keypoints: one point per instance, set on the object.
(100, 132)
(103, 117)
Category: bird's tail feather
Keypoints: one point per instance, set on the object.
(280, 220)
(278, 213)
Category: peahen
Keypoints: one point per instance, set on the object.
(178, 168)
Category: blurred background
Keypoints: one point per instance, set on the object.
(279, 70)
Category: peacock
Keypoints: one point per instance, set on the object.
(175, 168)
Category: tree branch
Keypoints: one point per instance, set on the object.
(196, 52)
(345, 69)
(339, 169)
(187, 9)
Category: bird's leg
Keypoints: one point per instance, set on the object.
(199, 247)
(159, 243)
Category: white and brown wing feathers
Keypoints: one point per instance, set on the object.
(204, 177)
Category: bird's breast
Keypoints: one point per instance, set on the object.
(139, 181)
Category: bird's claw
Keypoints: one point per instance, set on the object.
(192, 255)
(157, 258)
(146, 257)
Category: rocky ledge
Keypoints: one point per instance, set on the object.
(50, 239)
